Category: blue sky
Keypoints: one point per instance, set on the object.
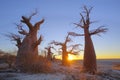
(59, 18)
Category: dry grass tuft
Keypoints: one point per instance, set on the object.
(42, 65)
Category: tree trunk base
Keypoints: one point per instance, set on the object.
(90, 71)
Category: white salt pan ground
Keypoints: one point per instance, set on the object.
(105, 72)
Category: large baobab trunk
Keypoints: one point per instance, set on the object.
(27, 52)
(28, 48)
(89, 62)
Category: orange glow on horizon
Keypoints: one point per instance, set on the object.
(70, 57)
(108, 55)
(98, 56)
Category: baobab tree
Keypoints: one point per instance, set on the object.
(89, 61)
(64, 49)
(28, 46)
(49, 52)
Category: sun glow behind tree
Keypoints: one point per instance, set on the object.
(70, 57)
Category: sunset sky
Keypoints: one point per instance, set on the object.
(59, 17)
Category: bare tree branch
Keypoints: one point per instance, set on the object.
(98, 31)
(16, 38)
(67, 39)
(38, 41)
(87, 11)
(79, 25)
(75, 45)
(37, 25)
(74, 48)
(50, 47)
(33, 14)
(56, 43)
(82, 19)
(86, 19)
(27, 22)
(75, 34)
(74, 52)
(13, 36)
(21, 30)
(53, 48)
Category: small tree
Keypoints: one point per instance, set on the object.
(28, 46)
(64, 49)
(89, 62)
(49, 52)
